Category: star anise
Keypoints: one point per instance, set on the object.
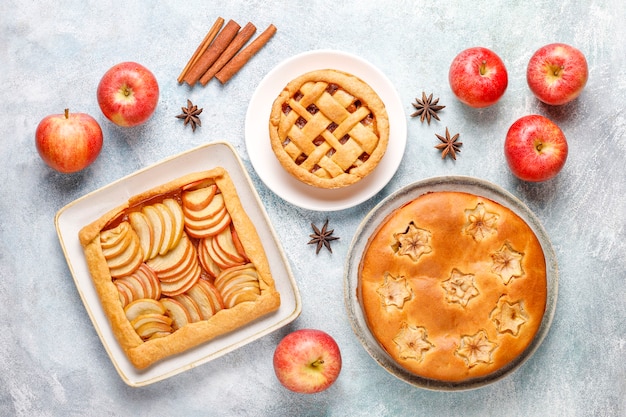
(449, 145)
(426, 108)
(190, 114)
(322, 237)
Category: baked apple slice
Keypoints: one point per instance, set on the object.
(125, 292)
(128, 260)
(215, 205)
(223, 259)
(199, 199)
(127, 255)
(241, 296)
(150, 318)
(136, 287)
(143, 306)
(241, 282)
(148, 278)
(168, 228)
(121, 244)
(148, 326)
(235, 281)
(203, 300)
(190, 261)
(173, 258)
(212, 293)
(142, 227)
(113, 237)
(157, 223)
(190, 305)
(226, 243)
(172, 288)
(209, 227)
(177, 312)
(179, 219)
(210, 267)
(221, 225)
(208, 221)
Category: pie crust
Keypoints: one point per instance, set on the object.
(453, 286)
(328, 128)
(234, 305)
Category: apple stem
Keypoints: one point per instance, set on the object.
(483, 67)
(126, 91)
(558, 70)
(67, 113)
(317, 363)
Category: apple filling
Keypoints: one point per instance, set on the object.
(178, 261)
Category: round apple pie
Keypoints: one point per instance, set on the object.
(453, 286)
(328, 128)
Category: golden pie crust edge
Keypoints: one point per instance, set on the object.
(357, 88)
(424, 308)
(141, 353)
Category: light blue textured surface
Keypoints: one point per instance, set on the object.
(53, 55)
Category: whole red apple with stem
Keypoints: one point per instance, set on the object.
(478, 77)
(535, 148)
(68, 142)
(307, 361)
(128, 94)
(557, 73)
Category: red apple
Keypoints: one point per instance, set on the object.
(535, 148)
(557, 73)
(128, 94)
(68, 142)
(478, 77)
(307, 361)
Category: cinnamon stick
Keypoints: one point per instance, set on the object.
(239, 60)
(240, 40)
(213, 52)
(202, 47)
(211, 34)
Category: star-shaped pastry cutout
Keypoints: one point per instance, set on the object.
(507, 263)
(480, 223)
(460, 288)
(509, 317)
(413, 243)
(476, 349)
(394, 291)
(412, 342)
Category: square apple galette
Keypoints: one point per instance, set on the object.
(177, 266)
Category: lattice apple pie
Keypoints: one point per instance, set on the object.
(453, 286)
(328, 128)
(177, 266)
